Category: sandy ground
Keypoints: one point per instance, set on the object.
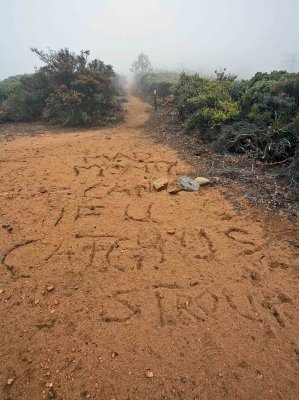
(110, 290)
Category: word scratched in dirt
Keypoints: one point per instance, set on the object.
(172, 304)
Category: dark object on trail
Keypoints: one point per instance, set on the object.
(155, 99)
(8, 227)
(295, 244)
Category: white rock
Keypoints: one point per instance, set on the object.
(149, 373)
(202, 181)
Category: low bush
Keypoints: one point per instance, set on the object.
(258, 116)
(161, 81)
(146, 80)
(69, 90)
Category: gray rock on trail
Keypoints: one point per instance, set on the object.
(202, 181)
(189, 184)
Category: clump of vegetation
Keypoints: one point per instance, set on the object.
(68, 90)
(258, 116)
(8, 85)
(147, 80)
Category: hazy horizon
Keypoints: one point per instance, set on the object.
(243, 36)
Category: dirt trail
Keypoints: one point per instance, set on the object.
(102, 278)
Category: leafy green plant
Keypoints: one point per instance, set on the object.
(258, 116)
(9, 85)
(69, 90)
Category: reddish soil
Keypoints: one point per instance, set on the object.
(111, 290)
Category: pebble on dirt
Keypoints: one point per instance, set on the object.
(50, 288)
(255, 276)
(173, 187)
(149, 373)
(10, 381)
(171, 231)
(161, 184)
(51, 394)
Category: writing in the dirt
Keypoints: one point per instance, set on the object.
(172, 304)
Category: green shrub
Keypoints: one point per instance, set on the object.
(161, 81)
(258, 116)
(68, 90)
(9, 85)
(20, 106)
(205, 102)
(288, 86)
(185, 91)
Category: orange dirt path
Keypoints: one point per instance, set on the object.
(110, 290)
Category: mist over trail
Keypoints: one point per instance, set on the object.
(244, 36)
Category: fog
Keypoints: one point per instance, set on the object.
(244, 36)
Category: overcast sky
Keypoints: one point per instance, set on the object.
(243, 35)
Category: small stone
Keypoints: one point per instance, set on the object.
(36, 302)
(297, 351)
(51, 394)
(1, 291)
(50, 288)
(56, 302)
(171, 231)
(149, 373)
(194, 283)
(114, 354)
(161, 184)
(10, 381)
(202, 181)
(255, 276)
(184, 379)
(173, 187)
(42, 190)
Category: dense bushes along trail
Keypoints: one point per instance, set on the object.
(110, 290)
